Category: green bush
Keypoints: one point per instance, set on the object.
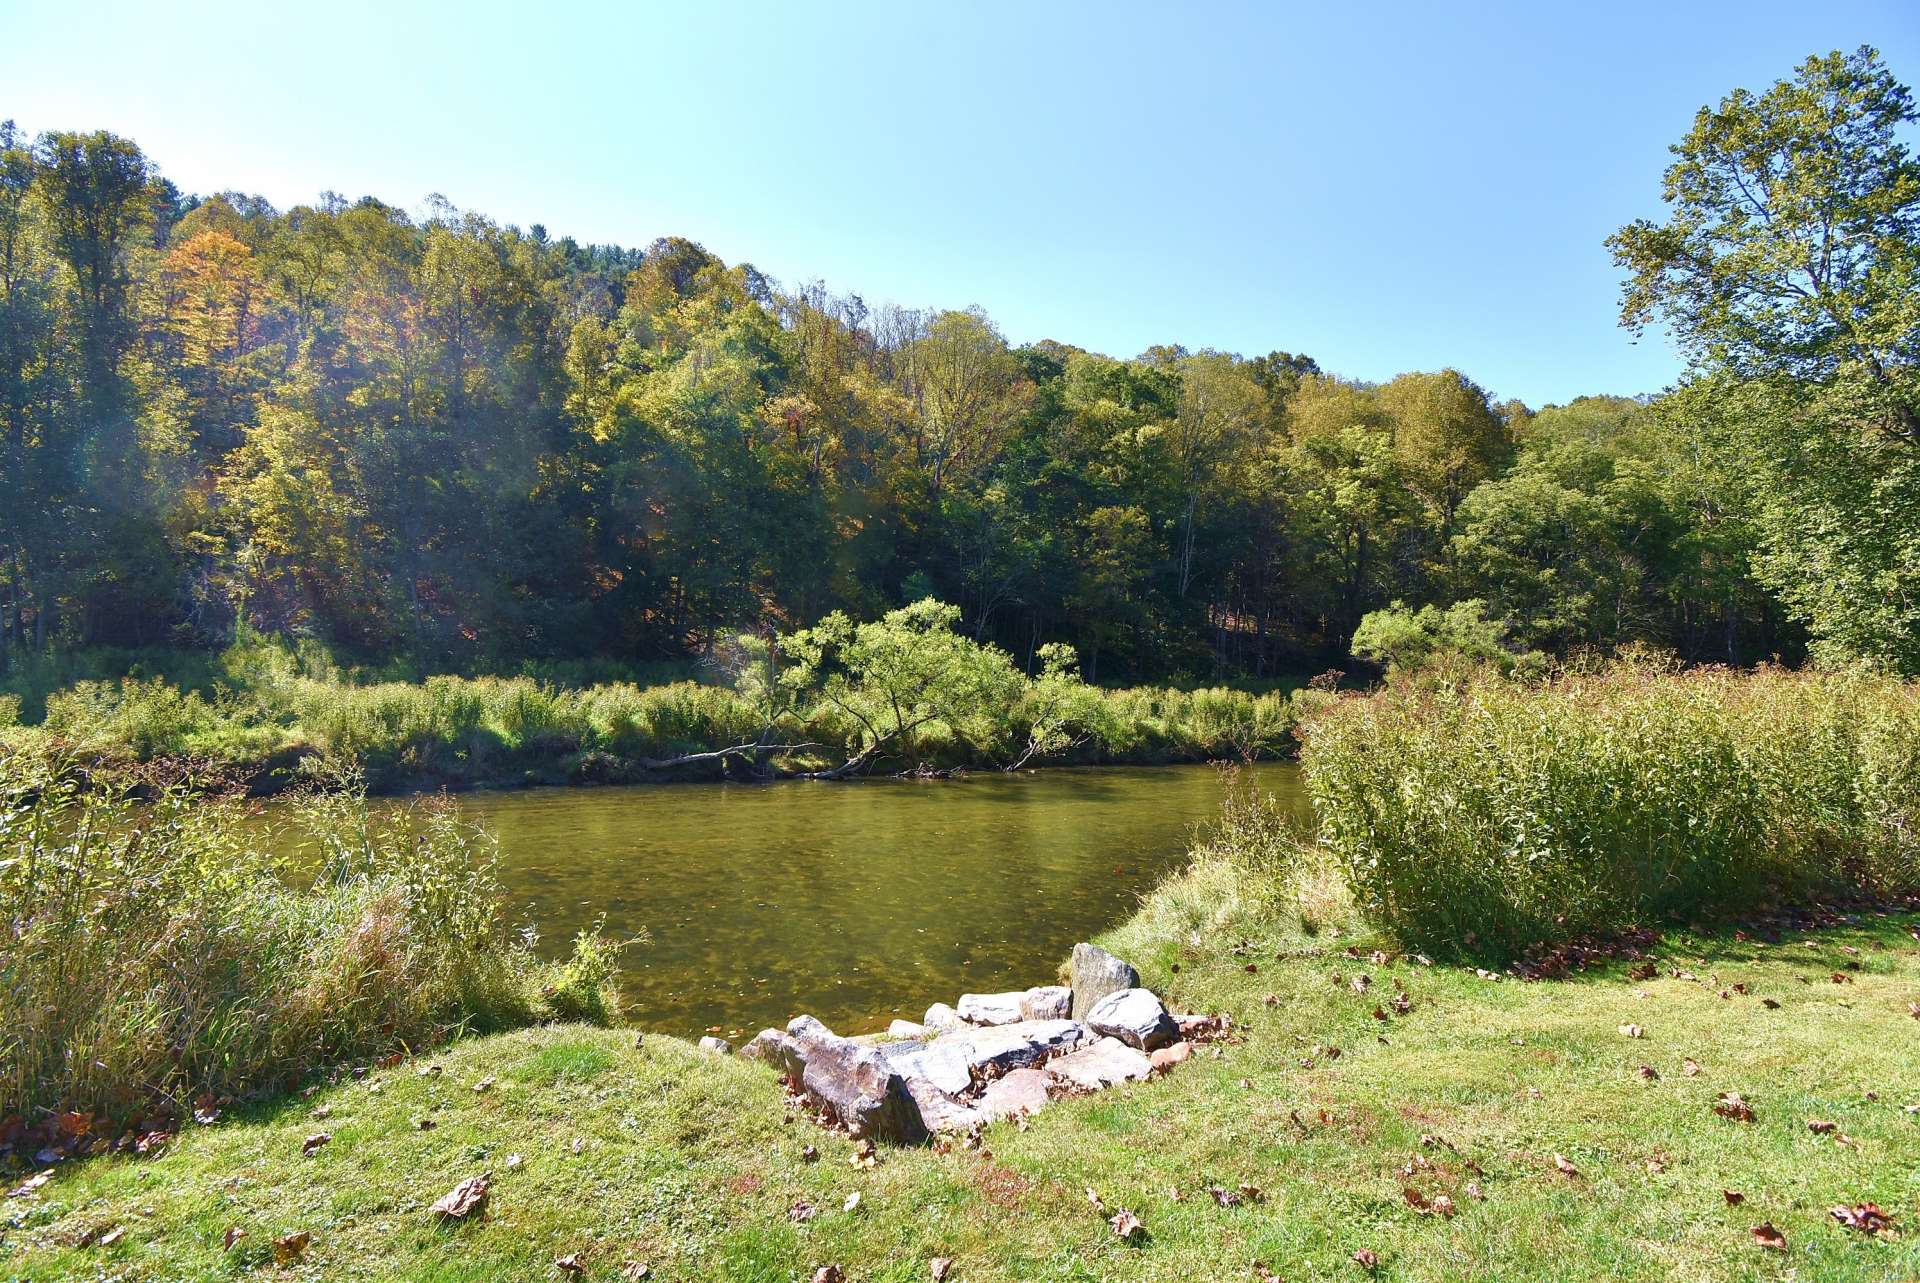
(157, 950)
(1489, 817)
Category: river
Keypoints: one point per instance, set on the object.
(854, 901)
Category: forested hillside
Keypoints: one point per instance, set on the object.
(433, 436)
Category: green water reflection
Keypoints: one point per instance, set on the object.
(854, 902)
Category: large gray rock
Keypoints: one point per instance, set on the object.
(1135, 1017)
(1104, 1064)
(1024, 1091)
(858, 1084)
(941, 1111)
(1095, 973)
(1046, 1002)
(943, 1064)
(718, 1046)
(906, 1029)
(1001, 1048)
(774, 1047)
(990, 1008)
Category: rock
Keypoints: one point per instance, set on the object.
(906, 1029)
(775, 1048)
(945, 1067)
(1046, 1002)
(1024, 1091)
(1135, 1017)
(1104, 1064)
(1002, 1048)
(858, 1084)
(718, 1046)
(941, 1111)
(1170, 1055)
(990, 1008)
(1095, 974)
(941, 1018)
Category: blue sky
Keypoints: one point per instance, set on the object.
(1384, 186)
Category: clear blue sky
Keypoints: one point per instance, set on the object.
(1384, 186)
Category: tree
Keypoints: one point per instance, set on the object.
(1789, 271)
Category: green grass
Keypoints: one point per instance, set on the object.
(663, 1154)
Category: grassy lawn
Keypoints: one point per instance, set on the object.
(685, 1162)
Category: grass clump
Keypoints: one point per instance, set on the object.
(154, 950)
(1491, 816)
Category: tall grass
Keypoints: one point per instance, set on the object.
(153, 950)
(275, 722)
(1489, 816)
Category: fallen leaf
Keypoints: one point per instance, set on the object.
(1733, 1196)
(634, 1271)
(570, 1264)
(233, 1235)
(1093, 1197)
(1649, 1073)
(1401, 1003)
(1366, 1260)
(30, 1184)
(1126, 1225)
(1865, 1217)
(1771, 1004)
(1473, 1190)
(1690, 1067)
(940, 1267)
(314, 1142)
(1731, 1106)
(514, 1161)
(1174, 1194)
(1821, 1126)
(464, 1199)
(425, 1124)
(1632, 1031)
(828, 1274)
(809, 1155)
(485, 1084)
(119, 1232)
(1768, 1237)
(801, 1212)
(291, 1247)
(852, 1204)
(1566, 1168)
(1224, 1197)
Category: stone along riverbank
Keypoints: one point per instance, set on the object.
(988, 1057)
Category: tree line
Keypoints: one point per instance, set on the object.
(434, 436)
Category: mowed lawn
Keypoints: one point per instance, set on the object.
(1523, 1103)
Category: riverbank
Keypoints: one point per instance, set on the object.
(934, 703)
(1494, 1128)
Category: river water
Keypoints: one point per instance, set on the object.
(853, 901)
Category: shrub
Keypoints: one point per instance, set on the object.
(1489, 816)
(156, 949)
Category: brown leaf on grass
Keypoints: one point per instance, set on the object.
(1771, 1004)
(1768, 1237)
(1566, 1168)
(1865, 1217)
(852, 1204)
(1913, 1009)
(1126, 1225)
(514, 1161)
(1366, 1259)
(1821, 1126)
(425, 1124)
(1473, 1190)
(1401, 1003)
(1632, 1031)
(1251, 1193)
(1690, 1067)
(111, 1237)
(940, 1267)
(1265, 1275)
(289, 1248)
(809, 1155)
(485, 1084)
(828, 1274)
(1643, 971)
(1841, 978)
(314, 1142)
(1093, 1197)
(1272, 1000)
(801, 1212)
(864, 1155)
(233, 1235)
(1224, 1196)
(464, 1199)
(634, 1271)
(1656, 1165)
(1379, 1013)
(1733, 1196)
(1362, 982)
(1649, 1073)
(1253, 968)
(1730, 1106)
(570, 1265)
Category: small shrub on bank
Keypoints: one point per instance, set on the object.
(1493, 816)
(155, 949)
